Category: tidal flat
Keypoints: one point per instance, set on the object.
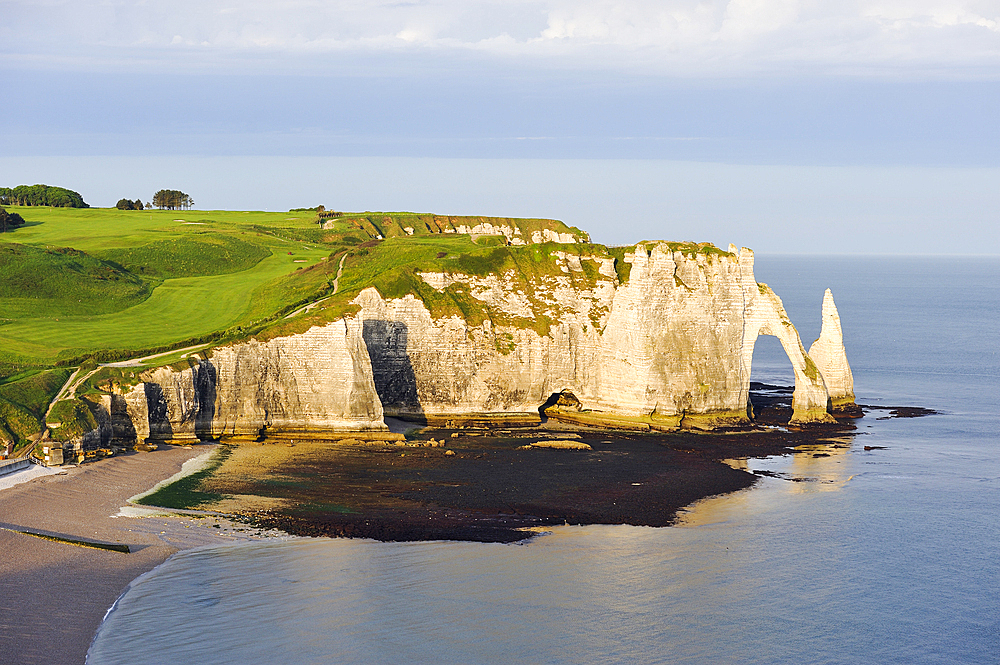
(480, 485)
(497, 486)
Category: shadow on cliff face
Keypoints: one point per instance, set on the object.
(395, 381)
(122, 429)
(205, 379)
(159, 414)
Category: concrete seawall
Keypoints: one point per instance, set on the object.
(10, 466)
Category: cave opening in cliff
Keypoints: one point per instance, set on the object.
(561, 401)
(772, 381)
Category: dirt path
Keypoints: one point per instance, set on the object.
(62, 391)
(135, 362)
(336, 287)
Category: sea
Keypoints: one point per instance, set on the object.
(838, 555)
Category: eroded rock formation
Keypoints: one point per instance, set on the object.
(674, 344)
(669, 345)
(319, 381)
(830, 357)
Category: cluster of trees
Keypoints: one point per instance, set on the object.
(41, 195)
(125, 204)
(171, 199)
(9, 220)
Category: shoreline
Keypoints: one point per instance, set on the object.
(491, 488)
(56, 594)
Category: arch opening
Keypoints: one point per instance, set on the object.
(772, 382)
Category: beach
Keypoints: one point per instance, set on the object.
(55, 594)
(496, 487)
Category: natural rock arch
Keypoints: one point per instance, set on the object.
(765, 315)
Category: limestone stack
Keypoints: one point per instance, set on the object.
(831, 358)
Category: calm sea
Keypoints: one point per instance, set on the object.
(881, 556)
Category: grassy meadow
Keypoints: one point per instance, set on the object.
(138, 280)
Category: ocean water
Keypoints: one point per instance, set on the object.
(880, 556)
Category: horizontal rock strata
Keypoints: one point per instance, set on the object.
(673, 345)
(316, 382)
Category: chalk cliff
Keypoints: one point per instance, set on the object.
(319, 381)
(673, 344)
(661, 337)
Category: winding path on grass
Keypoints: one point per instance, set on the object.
(137, 362)
(336, 287)
(68, 390)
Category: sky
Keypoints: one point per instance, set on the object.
(790, 126)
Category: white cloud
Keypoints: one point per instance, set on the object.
(683, 37)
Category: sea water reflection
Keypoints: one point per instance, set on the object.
(576, 595)
(815, 564)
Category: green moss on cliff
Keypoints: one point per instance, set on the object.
(215, 278)
(693, 249)
(406, 224)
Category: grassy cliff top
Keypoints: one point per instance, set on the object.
(108, 284)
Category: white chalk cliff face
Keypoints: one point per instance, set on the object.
(671, 345)
(319, 381)
(676, 341)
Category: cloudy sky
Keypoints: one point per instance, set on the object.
(700, 118)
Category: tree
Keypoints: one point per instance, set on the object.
(41, 195)
(125, 204)
(9, 220)
(172, 199)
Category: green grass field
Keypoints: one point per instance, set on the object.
(140, 280)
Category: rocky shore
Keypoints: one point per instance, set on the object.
(496, 488)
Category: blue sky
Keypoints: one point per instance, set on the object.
(798, 126)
